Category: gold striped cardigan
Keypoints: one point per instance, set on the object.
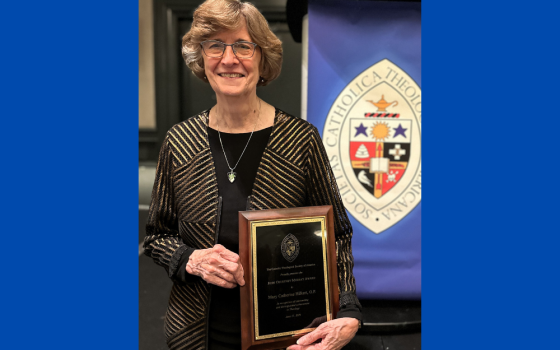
(184, 213)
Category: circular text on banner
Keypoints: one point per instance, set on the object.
(372, 135)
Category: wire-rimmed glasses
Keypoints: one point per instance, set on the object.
(216, 49)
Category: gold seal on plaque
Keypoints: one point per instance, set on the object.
(290, 247)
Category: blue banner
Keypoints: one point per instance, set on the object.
(364, 97)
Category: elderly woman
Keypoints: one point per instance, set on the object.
(242, 154)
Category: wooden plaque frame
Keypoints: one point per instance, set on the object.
(246, 219)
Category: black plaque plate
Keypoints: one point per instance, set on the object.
(289, 276)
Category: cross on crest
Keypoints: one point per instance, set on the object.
(397, 152)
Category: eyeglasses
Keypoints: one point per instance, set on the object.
(241, 49)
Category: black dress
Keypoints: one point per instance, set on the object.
(224, 325)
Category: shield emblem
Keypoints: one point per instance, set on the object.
(379, 151)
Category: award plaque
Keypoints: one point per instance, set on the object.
(291, 284)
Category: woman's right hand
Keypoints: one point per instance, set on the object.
(217, 265)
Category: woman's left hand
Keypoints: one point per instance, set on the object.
(333, 335)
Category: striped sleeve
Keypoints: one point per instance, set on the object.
(162, 242)
(323, 190)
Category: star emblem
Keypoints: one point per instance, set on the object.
(361, 130)
(399, 131)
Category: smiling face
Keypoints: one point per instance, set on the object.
(229, 75)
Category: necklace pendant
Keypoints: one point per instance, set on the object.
(231, 176)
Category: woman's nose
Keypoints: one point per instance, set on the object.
(229, 57)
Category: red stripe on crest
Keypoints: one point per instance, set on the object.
(382, 115)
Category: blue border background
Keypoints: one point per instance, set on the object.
(70, 173)
(489, 225)
(69, 142)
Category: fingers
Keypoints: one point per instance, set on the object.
(226, 264)
(229, 261)
(217, 265)
(219, 272)
(238, 275)
(235, 269)
(225, 253)
(219, 248)
(229, 255)
(208, 268)
(215, 280)
(226, 267)
(311, 337)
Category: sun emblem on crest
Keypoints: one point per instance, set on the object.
(290, 247)
(380, 131)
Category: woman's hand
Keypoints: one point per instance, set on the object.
(217, 265)
(332, 334)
